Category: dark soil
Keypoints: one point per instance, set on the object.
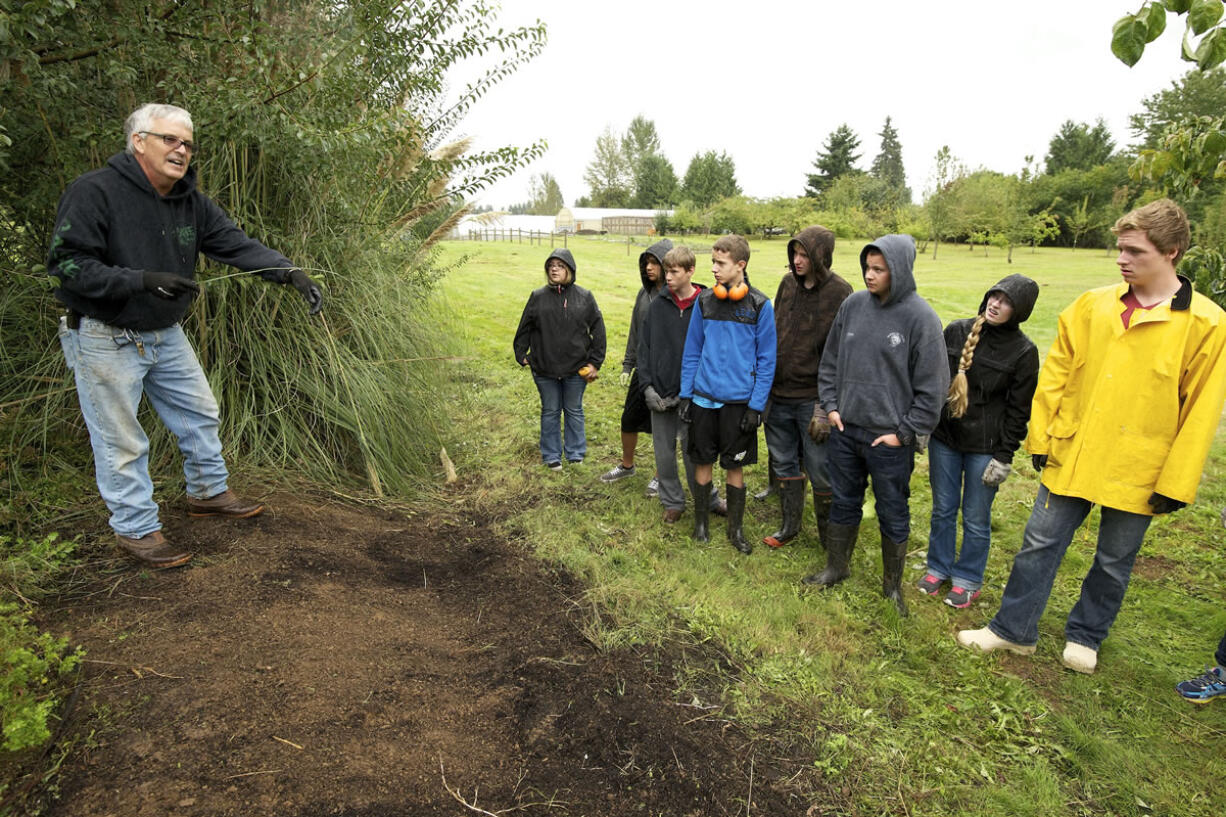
(324, 659)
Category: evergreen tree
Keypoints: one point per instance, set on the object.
(888, 168)
(837, 158)
(655, 183)
(709, 178)
(1077, 146)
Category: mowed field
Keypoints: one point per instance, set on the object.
(896, 717)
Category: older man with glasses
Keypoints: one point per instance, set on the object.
(123, 257)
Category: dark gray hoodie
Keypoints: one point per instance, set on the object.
(643, 300)
(884, 367)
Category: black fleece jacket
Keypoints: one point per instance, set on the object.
(662, 343)
(561, 327)
(1000, 382)
(112, 225)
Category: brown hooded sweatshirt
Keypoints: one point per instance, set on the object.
(803, 317)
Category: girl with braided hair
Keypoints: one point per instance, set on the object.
(994, 369)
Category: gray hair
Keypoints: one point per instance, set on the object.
(142, 118)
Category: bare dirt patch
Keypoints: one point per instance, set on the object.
(326, 660)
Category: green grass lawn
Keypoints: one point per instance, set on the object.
(898, 718)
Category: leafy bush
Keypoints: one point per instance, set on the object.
(33, 660)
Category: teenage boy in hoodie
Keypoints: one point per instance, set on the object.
(661, 344)
(726, 374)
(882, 380)
(123, 254)
(805, 306)
(1128, 401)
(561, 337)
(636, 417)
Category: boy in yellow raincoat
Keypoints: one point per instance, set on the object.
(1127, 404)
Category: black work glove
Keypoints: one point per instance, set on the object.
(1164, 504)
(168, 285)
(750, 420)
(683, 410)
(311, 293)
(1038, 461)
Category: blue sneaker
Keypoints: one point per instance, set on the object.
(1203, 688)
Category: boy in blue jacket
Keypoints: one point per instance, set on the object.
(726, 374)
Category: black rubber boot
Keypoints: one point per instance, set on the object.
(893, 557)
(821, 510)
(792, 496)
(702, 510)
(772, 484)
(840, 542)
(736, 515)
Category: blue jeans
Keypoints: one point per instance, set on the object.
(1049, 531)
(853, 459)
(562, 399)
(787, 434)
(957, 480)
(113, 367)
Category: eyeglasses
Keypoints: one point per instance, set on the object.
(173, 142)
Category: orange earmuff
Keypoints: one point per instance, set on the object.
(739, 291)
(720, 291)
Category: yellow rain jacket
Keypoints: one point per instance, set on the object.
(1125, 413)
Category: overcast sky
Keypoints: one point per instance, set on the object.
(768, 81)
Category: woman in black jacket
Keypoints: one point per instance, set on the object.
(561, 337)
(995, 369)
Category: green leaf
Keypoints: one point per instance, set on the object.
(1220, 172)
(1128, 39)
(1155, 21)
(1212, 50)
(1160, 164)
(1178, 6)
(1188, 52)
(1204, 15)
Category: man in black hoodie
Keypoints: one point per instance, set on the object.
(636, 417)
(123, 256)
(809, 296)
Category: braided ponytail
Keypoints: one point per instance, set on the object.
(957, 399)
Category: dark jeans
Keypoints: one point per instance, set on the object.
(853, 460)
(1221, 653)
(1050, 529)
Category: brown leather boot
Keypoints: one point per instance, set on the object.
(227, 503)
(153, 550)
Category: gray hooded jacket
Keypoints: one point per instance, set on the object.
(884, 367)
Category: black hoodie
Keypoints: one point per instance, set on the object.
(1001, 380)
(112, 225)
(643, 300)
(561, 327)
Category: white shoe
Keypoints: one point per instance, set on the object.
(985, 640)
(1079, 658)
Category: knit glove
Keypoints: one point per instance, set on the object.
(654, 402)
(624, 379)
(996, 472)
(819, 425)
(683, 409)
